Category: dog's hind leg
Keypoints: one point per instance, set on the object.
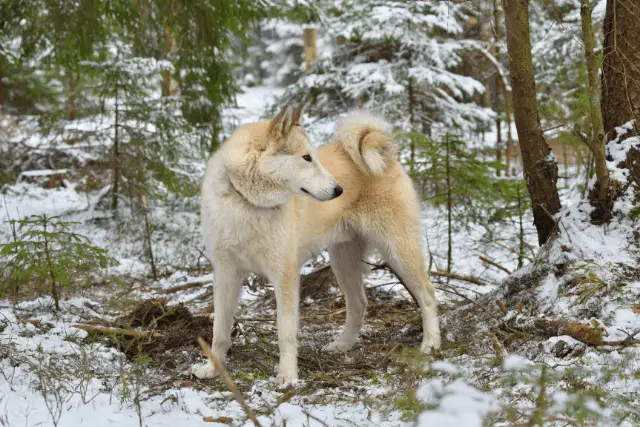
(226, 293)
(346, 262)
(402, 251)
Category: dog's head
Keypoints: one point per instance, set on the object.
(288, 160)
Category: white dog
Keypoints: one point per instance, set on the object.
(268, 204)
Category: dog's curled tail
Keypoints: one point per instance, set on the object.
(368, 141)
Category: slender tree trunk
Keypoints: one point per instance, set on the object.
(116, 155)
(258, 58)
(565, 158)
(621, 65)
(503, 86)
(521, 245)
(166, 83)
(147, 233)
(71, 105)
(497, 86)
(598, 142)
(169, 46)
(540, 169)
(2, 89)
(507, 112)
(52, 274)
(449, 208)
(498, 127)
(486, 102)
(411, 119)
(309, 36)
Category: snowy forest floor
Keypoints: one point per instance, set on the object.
(56, 373)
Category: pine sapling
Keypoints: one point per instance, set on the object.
(48, 257)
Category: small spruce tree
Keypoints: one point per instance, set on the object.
(48, 257)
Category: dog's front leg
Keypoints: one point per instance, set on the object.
(287, 290)
(226, 292)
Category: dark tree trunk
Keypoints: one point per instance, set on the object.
(540, 170)
(621, 65)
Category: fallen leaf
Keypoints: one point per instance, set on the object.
(287, 396)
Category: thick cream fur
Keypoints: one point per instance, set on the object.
(255, 219)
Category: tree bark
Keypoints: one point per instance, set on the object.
(598, 142)
(540, 169)
(498, 128)
(71, 104)
(497, 87)
(116, 156)
(309, 36)
(507, 112)
(621, 66)
(2, 89)
(411, 120)
(169, 48)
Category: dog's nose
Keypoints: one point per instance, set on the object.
(337, 191)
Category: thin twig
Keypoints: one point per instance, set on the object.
(495, 264)
(117, 331)
(224, 375)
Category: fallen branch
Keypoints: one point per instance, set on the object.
(470, 279)
(223, 420)
(106, 330)
(228, 381)
(495, 264)
(186, 286)
(623, 343)
(464, 278)
(553, 328)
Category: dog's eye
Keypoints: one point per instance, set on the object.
(307, 157)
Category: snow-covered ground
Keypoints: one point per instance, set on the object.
(54, 374)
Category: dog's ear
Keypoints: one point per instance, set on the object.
(281, 124)
(297, 115)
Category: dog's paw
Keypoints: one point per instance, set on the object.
(203, 370)
(430, 344)
(338, 346)
(284, 380)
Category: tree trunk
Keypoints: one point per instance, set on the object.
(411, 119)
(598, 142)
(1, 93)
(71, 105)
(507, 112)
(169, 47)
(621, 66)
(498, 128)
(449, 208)
(116, 156)
(497, 86)
(309, 36)
(540, 169)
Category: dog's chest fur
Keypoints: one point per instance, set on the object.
(254, 238)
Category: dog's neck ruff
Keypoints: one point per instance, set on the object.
(246, 199)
